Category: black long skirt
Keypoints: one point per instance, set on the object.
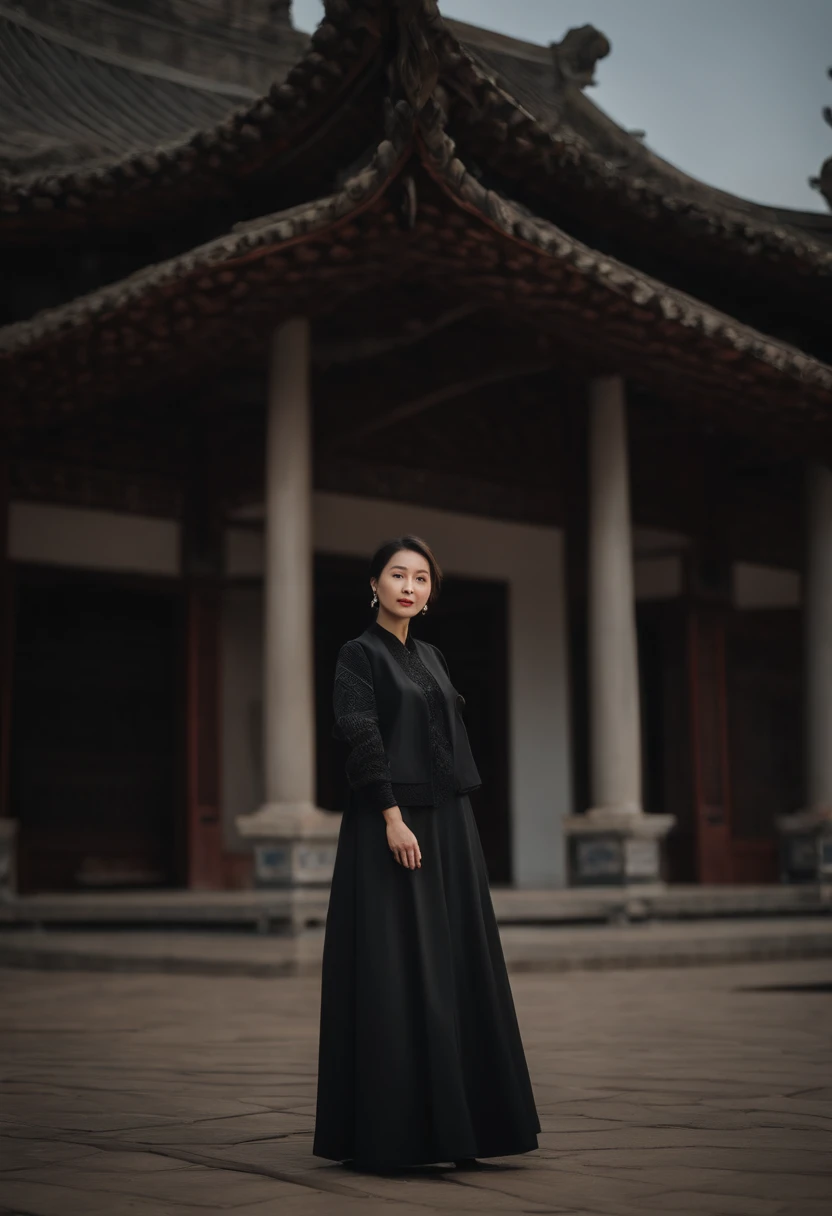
(420, 1056)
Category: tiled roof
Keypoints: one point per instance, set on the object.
(63, 105)
(195, 308)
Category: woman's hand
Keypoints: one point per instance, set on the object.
(403, 844)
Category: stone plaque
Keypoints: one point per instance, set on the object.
(641, 858)
(8, 856)
(826, 856)
(272, 864)
(802, 855)
(598, 857)
(295, 863)
(314, 863)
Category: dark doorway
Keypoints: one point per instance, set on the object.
(665, 728)
(469, 625)
(94, 735)
(664, 685)
(765, 721)
(740, 672)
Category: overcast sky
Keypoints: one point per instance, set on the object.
(731, 91)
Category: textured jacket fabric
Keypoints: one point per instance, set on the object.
(397, 709)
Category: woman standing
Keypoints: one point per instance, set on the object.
(420, 1056)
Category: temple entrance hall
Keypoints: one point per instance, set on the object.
(401, 277)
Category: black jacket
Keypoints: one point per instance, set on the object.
(400, 728)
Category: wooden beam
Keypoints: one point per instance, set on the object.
(447, 392)
(460, 491)
(204, 863)
(325, 355)
(6, 634)
(363, 398)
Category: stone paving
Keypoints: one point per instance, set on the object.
(702, 1091)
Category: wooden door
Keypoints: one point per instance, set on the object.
(685, 757)
(709, 744)
(667, 758)
(204, 856)
(94, 741)
(765, 710)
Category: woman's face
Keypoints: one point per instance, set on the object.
(403, 586)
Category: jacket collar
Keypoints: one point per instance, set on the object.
(390, 639)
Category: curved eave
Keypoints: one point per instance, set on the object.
(570, 142)
(684, 334)
(193, 309)
(206, 163)
(465, 239)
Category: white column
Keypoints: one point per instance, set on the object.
(818, 640)
(288, 677)
(614, 842)
(615, 728)
(807, 833)
(289, 814)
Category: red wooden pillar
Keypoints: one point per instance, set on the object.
(8, 829)
(202, 566)
(6, 633)
(709, 744)
(204, 849)
(709, 574)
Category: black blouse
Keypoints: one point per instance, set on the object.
(357, 720)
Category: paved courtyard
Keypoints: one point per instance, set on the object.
(698, 1090)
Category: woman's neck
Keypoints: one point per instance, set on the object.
(396, 625)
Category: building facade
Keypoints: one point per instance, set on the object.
(419, 282)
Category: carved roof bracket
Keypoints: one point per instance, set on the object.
(417, 58)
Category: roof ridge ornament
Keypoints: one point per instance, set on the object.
(576, 55)
(823, 182)
(417, 61)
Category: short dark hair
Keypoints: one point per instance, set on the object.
(415, 544)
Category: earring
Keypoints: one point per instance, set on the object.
(374, 600)
(424, 610)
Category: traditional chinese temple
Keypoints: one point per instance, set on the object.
(270, 300)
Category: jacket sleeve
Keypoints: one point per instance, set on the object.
(356, 722)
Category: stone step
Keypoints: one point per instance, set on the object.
(539, 948)
(279, 910)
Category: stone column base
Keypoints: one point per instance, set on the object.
(806, 845)
(294, 844)
(613, 847)
(8, 859)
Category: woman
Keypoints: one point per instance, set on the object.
(420, 1057)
